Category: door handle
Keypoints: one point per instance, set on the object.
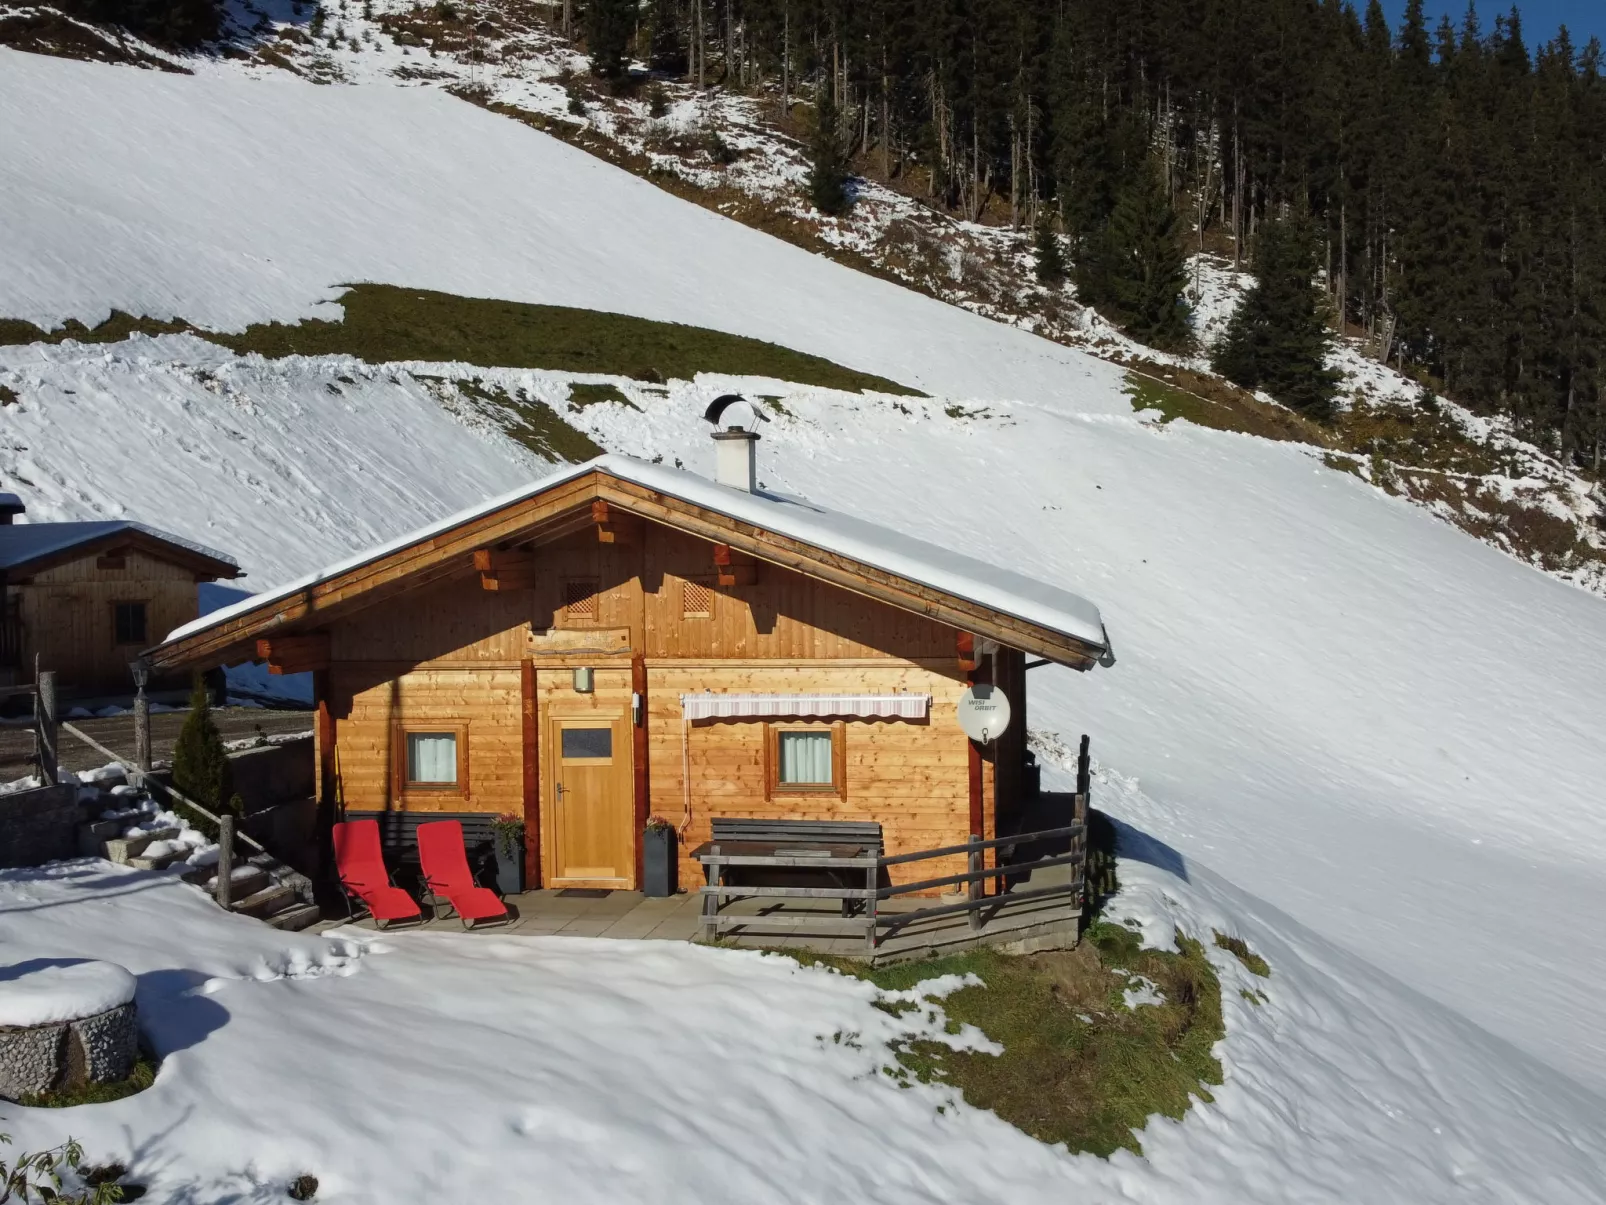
(557, 789)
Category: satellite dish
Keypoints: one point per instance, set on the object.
(983, 712)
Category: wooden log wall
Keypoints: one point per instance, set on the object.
(459, 652)
(912, 777)
(68, 618)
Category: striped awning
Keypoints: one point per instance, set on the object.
(735, 706)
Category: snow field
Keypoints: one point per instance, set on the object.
(432, 1067)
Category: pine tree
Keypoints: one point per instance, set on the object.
(200, 763)
(609, 25)
(1277, 341)
(828, 168)
(1144, 270)
(1047, 254)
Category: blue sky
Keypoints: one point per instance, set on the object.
(1540, 18)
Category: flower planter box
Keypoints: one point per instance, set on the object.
(659, 862)
(510, 868)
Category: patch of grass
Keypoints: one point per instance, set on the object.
(1344, 464)
(955, 410)
(1078, 1066)
(303, 1188)
(773, 402)
(527, 420)
(115, 329)
(1211, 402)
(8, 396)
(385, 323)
(1239, 949)
(141, 1077)
(583, 394)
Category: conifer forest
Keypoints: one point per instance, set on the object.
(1447, 179)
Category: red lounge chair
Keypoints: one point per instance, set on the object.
(447, 877)
(363, 878)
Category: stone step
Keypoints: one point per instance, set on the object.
(245, 881)
(158, 861)
(121, 849)
(263, 904)
(297, 916)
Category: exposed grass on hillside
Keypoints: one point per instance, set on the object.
(384, 323)
(584, 393)
(525, 420)
(1239, 949)
(1079, 1066)
(1211, 402)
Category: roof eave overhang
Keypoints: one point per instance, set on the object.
(563, 509)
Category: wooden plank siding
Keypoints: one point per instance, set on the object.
(647, 617)
(67, 617)
(912, 777)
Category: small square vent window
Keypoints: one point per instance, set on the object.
(580, 599)
(696, 599)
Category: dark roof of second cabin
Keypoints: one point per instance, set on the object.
(25, 546)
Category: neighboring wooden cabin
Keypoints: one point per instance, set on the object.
(625, 639)
(88, 598)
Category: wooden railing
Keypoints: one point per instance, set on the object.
(975, 878)
(872, 920)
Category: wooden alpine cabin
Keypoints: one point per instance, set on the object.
(87, 598)
(623, 639)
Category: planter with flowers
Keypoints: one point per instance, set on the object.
(508, 831)
(658, 858)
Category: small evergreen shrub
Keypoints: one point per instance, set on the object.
(201, 764)
(303, 1188)
(1047, 255)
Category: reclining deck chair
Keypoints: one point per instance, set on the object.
(447, 878)
(363, 878)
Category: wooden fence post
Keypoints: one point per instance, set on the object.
(974, 887)
(872, 877)
(1084, 781)
(142, 722)
(45, 719)
(225, 860)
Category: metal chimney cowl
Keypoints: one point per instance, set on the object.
(736, 459)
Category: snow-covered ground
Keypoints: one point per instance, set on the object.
(425, 1067)
(1373, 724)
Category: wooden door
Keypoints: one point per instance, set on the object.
(590, 787)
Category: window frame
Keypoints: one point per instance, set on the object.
(838, 786)
(143, 639)
(404, 786)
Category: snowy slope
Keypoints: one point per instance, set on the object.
(1369, 721)
(587, 1067)
(278, 192)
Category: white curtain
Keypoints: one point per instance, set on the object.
(806, 758)
(431, 757)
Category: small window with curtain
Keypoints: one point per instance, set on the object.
(128, 622)
(805, 760)
(432, 760)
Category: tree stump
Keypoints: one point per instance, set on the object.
(66, 1026)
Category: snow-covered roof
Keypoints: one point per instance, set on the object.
(931, 565)
(22, 543)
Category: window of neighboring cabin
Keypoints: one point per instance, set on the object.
(128, 622)
(805, 759)
(432, 759)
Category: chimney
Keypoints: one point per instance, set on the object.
(10, 507)
(735, 445)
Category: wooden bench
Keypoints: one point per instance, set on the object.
(791, 849)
